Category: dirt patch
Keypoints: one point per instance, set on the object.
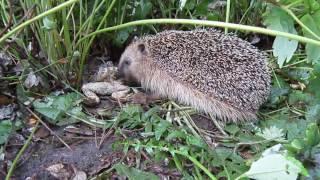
(85, 156)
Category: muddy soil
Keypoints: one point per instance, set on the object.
(84, 156)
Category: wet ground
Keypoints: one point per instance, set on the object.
(84, 156)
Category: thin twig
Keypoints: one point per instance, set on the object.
(21, 152)
(108, 133)
(46, 126)
(216, 123)
(255, 142)
(176, 110)
(145, 155)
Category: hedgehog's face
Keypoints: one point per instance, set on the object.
(131, 63)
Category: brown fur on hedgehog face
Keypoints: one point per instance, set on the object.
(129, 66)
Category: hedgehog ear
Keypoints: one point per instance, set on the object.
(142, 48)
(135, 38)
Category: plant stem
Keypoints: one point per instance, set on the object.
(87, 48)
(197, 163)
(293, 4)
(192, 159)
(15, 161)
(206, 23)
(21, 26)
(299, 22)
(227, 15)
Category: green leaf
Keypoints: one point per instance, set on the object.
(292, 127)
(297, 144)
(48, 24)
(296, 128)
(143, 9)
(299, 96)
(5, 130)
(190, 4)
(214, 16)
(299, 74)
(160, 128)
(22, 95)
(122, 36)
(274, 166)
(184, 150)
(49, 112)
(177, 161)
(313, 53)
(233, 164)
(133, 110)
(175, 134)
(312, 135)
(272, 133)
(277, 95)
(55, 108)
(133, 173)
(232, 129)
(202, 7)
(303, 170)
(305, 143)
(314, 86)
(313, 113)
(150, 113)
(76, 112)
(311, 5)
(313, 23)
(283, 48)
(195, 141)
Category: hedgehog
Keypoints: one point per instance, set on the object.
(217, 74)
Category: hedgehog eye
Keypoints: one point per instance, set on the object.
(141, 48)
(127, 62)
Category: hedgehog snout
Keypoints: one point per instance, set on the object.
(124, 74)
(120, 73)
(122, 67)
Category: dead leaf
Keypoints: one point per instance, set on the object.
(32, 121)
(18, 68)
(31, 81)
(76, 130)
(80, 175)
(41, 133)
(7, 112)
(107, 162)
(299, 86)
(4, 100)
(5, 60)
(60, 171)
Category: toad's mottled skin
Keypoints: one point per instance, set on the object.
(105, 85)
(218, 74)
